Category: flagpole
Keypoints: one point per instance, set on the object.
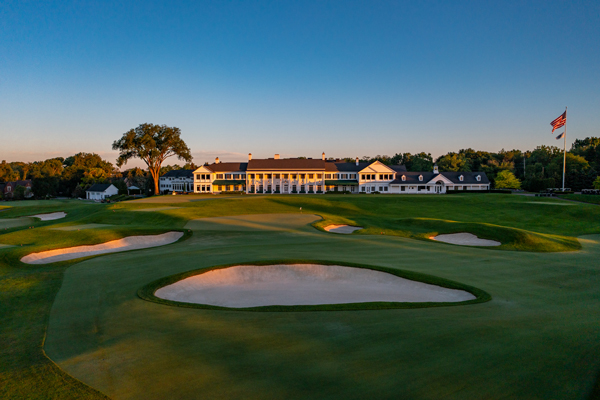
(564, 152)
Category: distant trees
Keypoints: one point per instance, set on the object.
(153, 144)
(597, 183)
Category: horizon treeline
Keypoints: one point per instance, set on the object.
(538, 169)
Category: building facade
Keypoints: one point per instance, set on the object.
(101, 191)
(300, 175)
(180, 181)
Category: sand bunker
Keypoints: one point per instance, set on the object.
(345, 229)
(465, 239)
(302, 284)
(128, 243)
(50, 217)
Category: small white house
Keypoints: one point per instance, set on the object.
(100, 191)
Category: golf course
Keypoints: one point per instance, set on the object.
(525, 326)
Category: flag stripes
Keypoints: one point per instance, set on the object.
(559, 122)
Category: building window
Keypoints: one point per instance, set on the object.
(319, 176)
(372, 188)
(363, 189)
(380, 177)
(276, 176)
(420, 178)
(478, 178)
(293, 188)
(421, 188)
(251, 176)
(311, 176)
(403, 188)
(227, 176)
(302, 176)
(460, 178)
(268, 176)
(385, 188)
(381, 188)
(293, 176)
(403, 178)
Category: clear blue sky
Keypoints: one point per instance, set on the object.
(351, 78)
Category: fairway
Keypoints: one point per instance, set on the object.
(538, 337)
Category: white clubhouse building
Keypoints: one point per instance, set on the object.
(301, 175)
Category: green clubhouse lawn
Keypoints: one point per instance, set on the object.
(77, 329)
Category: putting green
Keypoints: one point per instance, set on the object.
(541, 324)
(79, 227)
(15, 222)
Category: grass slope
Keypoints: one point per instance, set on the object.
(538, 338)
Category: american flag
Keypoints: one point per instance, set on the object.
(559, 122)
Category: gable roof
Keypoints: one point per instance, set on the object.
(179, 173)
(286, 164)
(228, 167)
(469, 177)
(340, 166)
(413, 178)
(99, 187)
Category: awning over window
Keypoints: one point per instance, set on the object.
(228, 182)
(341, 183)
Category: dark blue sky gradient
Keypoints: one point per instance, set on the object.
(350, 78)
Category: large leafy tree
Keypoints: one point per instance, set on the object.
(153, 144)
(507, 180)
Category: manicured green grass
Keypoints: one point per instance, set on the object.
(586, 198)
(537, 338)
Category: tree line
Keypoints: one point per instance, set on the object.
(533, 170)
(536, 170)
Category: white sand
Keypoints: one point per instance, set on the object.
(302, 284)
(128, 243)
(345, 229)
(465, 239)
(50, 217)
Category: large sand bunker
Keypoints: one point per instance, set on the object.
(302, 284)
(345, 229)
(128, 243)
(50, 216)
(465, 239)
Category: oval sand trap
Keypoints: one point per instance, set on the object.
(128, 243)
(465, 239)
(345, 229)
(50, 217)
(302, 284)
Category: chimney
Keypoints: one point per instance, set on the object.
(217, 160)
(249, 156)
(435, 169)
(356, 160)
(323, 156)
(277, 156)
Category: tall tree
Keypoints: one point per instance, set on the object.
(153, 144)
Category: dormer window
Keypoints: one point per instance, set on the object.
(478, 177)
(461, 178)
(421, 178)
(403, 178)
